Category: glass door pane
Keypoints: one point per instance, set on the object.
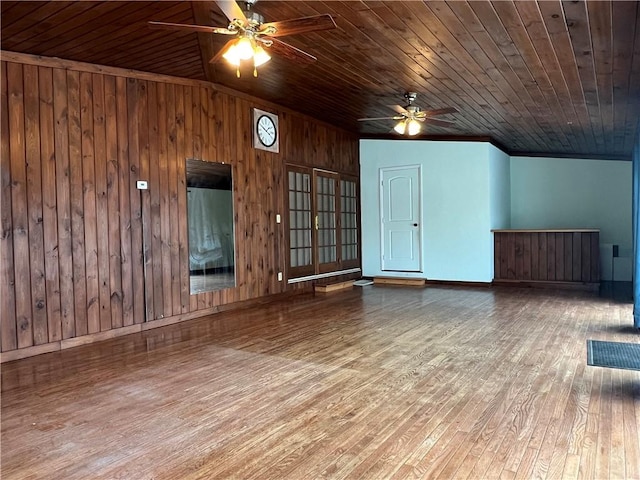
(349, 223)
(300, 224)
(326, 221)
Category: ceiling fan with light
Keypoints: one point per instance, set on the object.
(411, 116)
(252, 38)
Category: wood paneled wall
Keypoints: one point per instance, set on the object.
(547, 256)
(85, 255)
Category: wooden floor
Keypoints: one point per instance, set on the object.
(381, 382)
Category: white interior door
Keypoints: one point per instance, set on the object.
(400, 198)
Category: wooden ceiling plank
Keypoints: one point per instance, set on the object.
(127, 32)
(430, 82)
(455, 61)
(361, 67)
(578, 25)
(424, 78)
(109, 23)
(24, 17)
(599, 14)
(504, 24)
(560, 40)
(499, 71)
(626, 58)
(65, 14)
(530, 20)
(57, 27)
(434, 79)
(202, 16)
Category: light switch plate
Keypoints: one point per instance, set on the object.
(141, 185)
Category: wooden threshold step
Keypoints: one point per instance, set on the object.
(332, 287)
(413, 282)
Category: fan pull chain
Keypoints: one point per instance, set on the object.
(255, 72)
(238, 71)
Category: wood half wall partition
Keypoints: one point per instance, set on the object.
(83, 252)
(563, 258)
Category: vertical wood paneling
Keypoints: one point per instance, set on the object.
(511, 256)
(83, 251)
(568, 257)
(154, 227)
(542, 256)
(8, 340)
(113, 196)
(558, 256)
(175, 188)
(19, 206)
(576, 257)
(134, 87)
(535, 255)
(63, 207)
(89, 203)
(102, 214)
(34, 202)
(181, 276)
(594, 274)
(49, 205)
(124, 202)
(144, 92)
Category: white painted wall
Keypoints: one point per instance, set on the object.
(577, 193)
(499, 193)
(457, 205)
(470, 188)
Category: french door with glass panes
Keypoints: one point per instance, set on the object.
(323, 227)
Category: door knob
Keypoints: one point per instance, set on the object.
(415, 224)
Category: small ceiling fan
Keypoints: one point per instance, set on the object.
(252, 38)
(410, 116)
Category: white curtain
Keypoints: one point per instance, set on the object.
(210, 228)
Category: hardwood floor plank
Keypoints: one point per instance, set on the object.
(375, 383)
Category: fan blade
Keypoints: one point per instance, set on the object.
(218, 55)
(399, 109)
(434, 121)
(289, 51)
(231, 10)
(379, 118)
(193, 28)
(300, 25)
(439, 111)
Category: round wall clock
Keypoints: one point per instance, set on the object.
(265, 130)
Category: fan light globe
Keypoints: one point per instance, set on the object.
(414, 127)
(231, 55)
(260, 56)
(244, 48)
(401, 127)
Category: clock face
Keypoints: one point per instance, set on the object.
(266, 130)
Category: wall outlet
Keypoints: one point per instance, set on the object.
(279, 276)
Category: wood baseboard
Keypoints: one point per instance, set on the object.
(59, 345)
(333, 287)
(583, 286)
(408, 282)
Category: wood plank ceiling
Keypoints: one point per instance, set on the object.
(547, 77)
